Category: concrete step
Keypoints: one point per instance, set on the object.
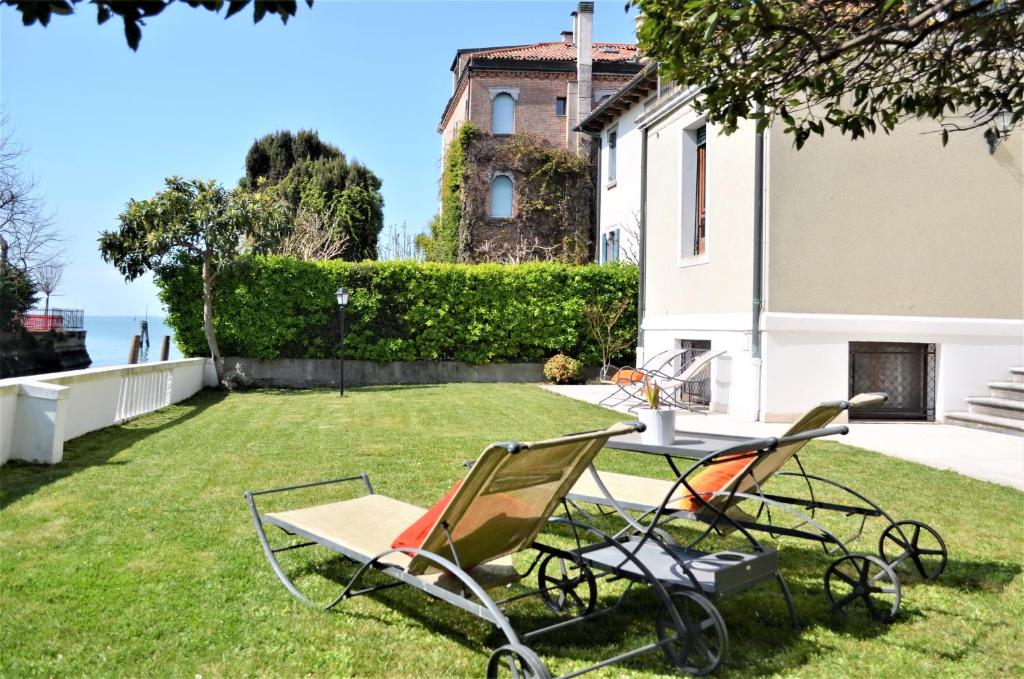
(1017, 374)
(1000, 407)
(1009, 390)
(1001, 425)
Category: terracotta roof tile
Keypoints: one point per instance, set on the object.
(559, 51)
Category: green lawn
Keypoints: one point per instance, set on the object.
(136, 555)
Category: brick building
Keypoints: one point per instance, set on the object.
(542, 90)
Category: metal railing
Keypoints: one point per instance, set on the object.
(38, 320)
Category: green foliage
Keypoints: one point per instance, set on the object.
(134, 12)
(276, 307)
(187, 222)
(17, 294)
(312, 175)
(272, 156)
(554, 199)
(562, 369)
(858, 67)
(442, 245)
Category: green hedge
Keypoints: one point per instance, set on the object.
(277, 307)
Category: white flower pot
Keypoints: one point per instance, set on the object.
(661, 426)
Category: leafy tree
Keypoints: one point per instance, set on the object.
(190, 222)
(857, 66)
(134, 12)
(272, 156)
(314, 178)
(17, 294)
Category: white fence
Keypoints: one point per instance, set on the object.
(39, 413)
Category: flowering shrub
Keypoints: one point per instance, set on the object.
(562, 369)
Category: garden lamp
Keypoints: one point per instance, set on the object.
(342, 297)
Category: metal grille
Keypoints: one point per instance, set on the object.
(698, 393)
(904, 371)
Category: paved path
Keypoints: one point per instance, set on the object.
(988, 456)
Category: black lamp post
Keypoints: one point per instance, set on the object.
(342, 295)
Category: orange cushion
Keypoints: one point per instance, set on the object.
(627, 376)
(712, 480)
(415, 534)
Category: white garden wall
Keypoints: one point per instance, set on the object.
(39, 413)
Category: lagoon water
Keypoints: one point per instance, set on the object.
(108, 338)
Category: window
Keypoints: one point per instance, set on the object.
(693, 228)
(610, 246)
(501, 197)
(700, 201)
(503, 114)
(560, 106)
(613, 138)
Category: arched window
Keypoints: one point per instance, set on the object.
(501, 196)
(503, 114)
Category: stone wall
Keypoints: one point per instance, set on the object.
(305, 373)
(32, 353)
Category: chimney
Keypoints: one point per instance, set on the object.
(583, 18)
(567, 36)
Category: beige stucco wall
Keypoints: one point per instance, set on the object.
(723, 283)
(897, 225)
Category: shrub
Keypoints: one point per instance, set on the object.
(561, 369)
(275, 307)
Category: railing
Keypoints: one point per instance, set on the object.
(54, 319)
(40, 412)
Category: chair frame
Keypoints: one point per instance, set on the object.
(670, 382)
(809, 525)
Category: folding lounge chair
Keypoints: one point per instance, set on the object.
(713, 488)
(673, 382)
(462, 546)
(627, 378)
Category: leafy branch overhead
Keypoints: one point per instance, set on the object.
(857, 66)
(134, 12)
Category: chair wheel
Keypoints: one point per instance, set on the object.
(700, 646)
(916, 543)
(567, 585)
(516, 661)
(863, 580)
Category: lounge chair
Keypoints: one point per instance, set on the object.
(714, 488)
(677, 384)
(461, 547)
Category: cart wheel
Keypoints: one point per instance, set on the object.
(863, 580)
(700, 647)
(518, 662)
(567, 585)
(916, 542)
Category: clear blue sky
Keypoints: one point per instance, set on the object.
(104, 124)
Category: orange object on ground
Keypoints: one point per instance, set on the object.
(627, 376)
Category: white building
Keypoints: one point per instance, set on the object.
(884, 264)
(619, 181)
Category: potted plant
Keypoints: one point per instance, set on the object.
(660, 422)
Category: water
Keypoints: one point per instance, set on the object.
(108, 338)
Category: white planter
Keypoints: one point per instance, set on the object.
(661, 426)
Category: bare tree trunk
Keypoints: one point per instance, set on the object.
(211, 337)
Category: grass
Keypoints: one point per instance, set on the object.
(136, 556)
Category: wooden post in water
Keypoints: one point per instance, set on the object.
(165, 348)
(133, 351)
